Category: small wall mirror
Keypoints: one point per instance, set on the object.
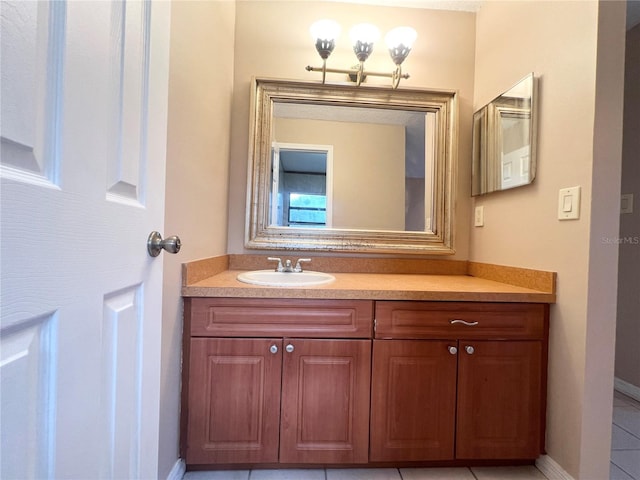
(504, 140)
(345, 168)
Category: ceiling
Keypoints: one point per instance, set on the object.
(461, 5)
(633, 6)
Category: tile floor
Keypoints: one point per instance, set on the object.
(625, 461)
(474, 473)
(625, 438)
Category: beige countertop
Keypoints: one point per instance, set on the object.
(375, 286)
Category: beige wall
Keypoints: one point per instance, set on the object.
(368, 180)
(272, 40)
(576, 51)
(200, 88)
(628, 327)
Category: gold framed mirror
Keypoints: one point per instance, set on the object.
(353, 169)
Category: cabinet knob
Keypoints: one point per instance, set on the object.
(289, 348)
(452, 350)
(273, 349)
(469, 349)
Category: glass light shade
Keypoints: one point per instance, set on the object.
(324, 33)
(364, 33)
(399, 41)
(325, 30)
(363, 36)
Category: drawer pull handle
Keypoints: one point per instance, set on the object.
(464, 322)
(273, 349)
(452, 350)
(289, 348)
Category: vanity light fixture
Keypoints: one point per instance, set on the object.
(363, 36)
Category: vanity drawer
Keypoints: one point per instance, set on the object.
(253, 317)
(453, 320)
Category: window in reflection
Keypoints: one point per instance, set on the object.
(307, 210)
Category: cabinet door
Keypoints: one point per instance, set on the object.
(413, 400)
(234, 400)
(325, 401)
(499, 390)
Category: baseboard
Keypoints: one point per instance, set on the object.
(629, 389)
(178, 470)
(551, 469)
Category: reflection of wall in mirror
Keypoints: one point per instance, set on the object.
(368, 180)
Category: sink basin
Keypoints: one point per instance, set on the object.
(285, 279)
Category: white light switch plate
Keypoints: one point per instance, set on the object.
(478, 219)
(569, 203)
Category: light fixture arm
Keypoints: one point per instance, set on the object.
(360, 73)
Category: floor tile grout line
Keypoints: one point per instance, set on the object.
(621, 427)
(634, 478)
(627, 405)
(626, 408)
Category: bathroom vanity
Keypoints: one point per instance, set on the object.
(373, 369)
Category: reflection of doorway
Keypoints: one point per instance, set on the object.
(301, 188)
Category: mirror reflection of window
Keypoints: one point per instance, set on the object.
(301, 191)
(305, 210)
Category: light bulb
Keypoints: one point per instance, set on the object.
(325, 30)
(365, 33)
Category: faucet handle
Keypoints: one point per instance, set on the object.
(298, 267)
(279, 267)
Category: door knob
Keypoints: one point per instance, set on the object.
(155, 244)
(273, 349)
(289, 348)
(469, 349)
(452, 350)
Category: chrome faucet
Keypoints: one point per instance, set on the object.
(298, 267)
(287, 267)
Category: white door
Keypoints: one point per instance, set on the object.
(84, 104)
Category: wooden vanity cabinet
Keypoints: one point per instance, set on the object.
(299, 381)
(299, 393)
(458, 380)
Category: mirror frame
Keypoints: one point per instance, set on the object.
(259, 234)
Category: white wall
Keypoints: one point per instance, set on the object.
(576, 48)
(200, 90)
